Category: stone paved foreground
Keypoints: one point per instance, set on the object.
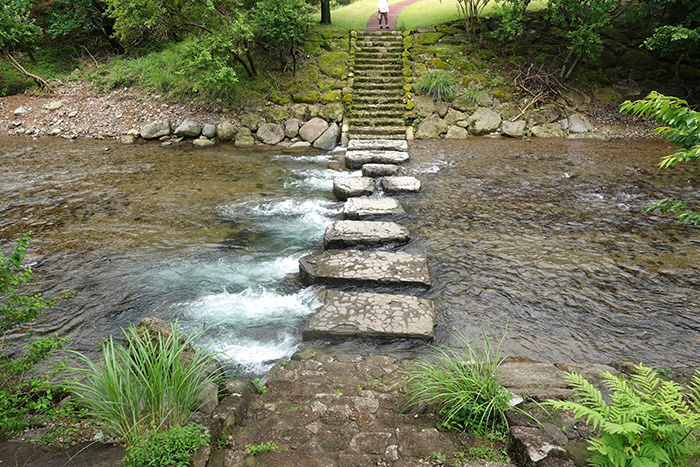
(366, 208)
(356, 159)
(351, 187)
(343, 234)
(400, 184)
(371, 315)
(378, 145)
(336, 267)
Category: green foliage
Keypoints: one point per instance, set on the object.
(282, 25)
(469, 12)
(671, 39)
(680, 126)
(71, 17)
(17, 29)
(260, 388)
(438, 83)
(649, 421)
(510, 18)
(23, 393)
(149, 383)
(171, 448)
(675, 25)
(253, 449)
(462, 385)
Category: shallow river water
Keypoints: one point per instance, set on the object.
(549, 238)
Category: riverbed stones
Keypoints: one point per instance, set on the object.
(225, 131)
(483, 121)
(379, 170)
(270, 133)
(188, 128)
(355, 159)
(209, 130)
(351, 187)
(400, 184)
(378, 145)
(349, 233)
(338, 267)
(547, 130)
(155, 130)
(372, 315)
(202, 142)
(367, 208)
(329, 139)
(312, 129)
(431, 128)
(513, 129)
(291, 127)
(244, 138)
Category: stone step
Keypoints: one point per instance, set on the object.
(341, 267)
(388, 46)
(373, 71)
(373, 96)
(372, 86)
(377, 100)
(349, 233)
(370, 208)
(400, 184)
(397, 80)
(351, 187)
(370, 315)
(377, 56)
(380, 121)
(387, 33)
(378, 145)
(373, 137)
(378, 130)
(390, 68)
(380, 170)
(356, 158)
(380, 111)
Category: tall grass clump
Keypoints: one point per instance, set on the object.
(150, 382)
(461, 384)
(438, 83)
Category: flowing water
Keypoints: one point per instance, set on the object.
(549, 237)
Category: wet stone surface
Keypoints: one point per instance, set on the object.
(377, 145)
(371, 315)
(379, 170)
(401, 184)
(334, 267)
(357, 159)
(343, 234)
(363, 208)
(350, 187)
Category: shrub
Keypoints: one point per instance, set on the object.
(25, 396)
(167, 448)
(462, 384)
(253, 449)
(438, 83)
(649, 421)
(149, 383)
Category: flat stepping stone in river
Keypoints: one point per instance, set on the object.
(378, 145)
(400, 184)
(356, 159)
(343, 234)
(367, 208)
(371, 315)
(350, 187)
(379, 170)
(338, 267)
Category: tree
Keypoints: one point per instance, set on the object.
(282, 24)
(680, 126)
(68, 17)
(510, 18)
(18, 33)
(325, 11)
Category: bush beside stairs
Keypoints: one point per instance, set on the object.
(377, 108)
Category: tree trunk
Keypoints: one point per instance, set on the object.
(325, 11)
(41, 82)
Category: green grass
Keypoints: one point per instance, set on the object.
(355, 15)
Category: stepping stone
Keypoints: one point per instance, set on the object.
(378, 144)
(379, 170)
(343, 234)
(356, 159)
(338, 267)
(370, 315)
(400, 184)
(350, 187)
(364, 208)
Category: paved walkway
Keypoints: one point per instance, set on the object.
(394, 10)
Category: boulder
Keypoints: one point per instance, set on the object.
(453, 116)
(19, 111)
(313, 129)
(331, 96)
(547, 130)
(300, 145)
(463, 103)
(514, 129)
(270, 133)
(508, 111)
(578, 124)
(606, 95)
(128, 139)
(424, 105)
(332, 112)
(483, 121)
(483, 99)
(575, 98)
(202, 142)
(329, 139)
(244, 138)
(431, 128)
(225, 131)
(276, 113)
(299, 111)
(291, 127)
(441, 108)
(188, 128)
(209, 130)
(251, 121)
(456, 132)
(155, 130)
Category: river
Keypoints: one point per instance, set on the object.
(546, 237)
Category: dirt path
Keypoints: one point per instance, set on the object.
(394, 11)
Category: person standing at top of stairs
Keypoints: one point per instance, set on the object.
(383, 7)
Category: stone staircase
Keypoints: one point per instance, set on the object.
(377, 91)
